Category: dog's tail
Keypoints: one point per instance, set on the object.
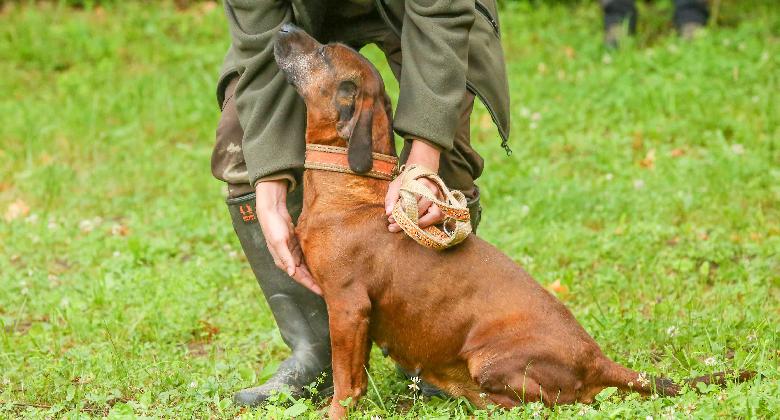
(614, 374)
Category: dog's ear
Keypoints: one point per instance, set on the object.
(356, 116)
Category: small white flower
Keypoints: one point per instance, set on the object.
(482, 395)
(752, 336)
(711, 361)
(414, 386)
(86, 226)
(609, 176)
(649, 418)
(639, 184)
(525, 112)
(31, 218)
(642, 379)
(52, 225)
(533, 125)
(737, 149)
(64, 303)
(233, 254)
(524, 210)
(116, 254)
(672, 331)
(536, 116)
(607, 59)
(25, 291)
(193, 384)
(376, 418)
(585, 409)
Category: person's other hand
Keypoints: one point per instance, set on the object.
(279, 232)
(425, 155)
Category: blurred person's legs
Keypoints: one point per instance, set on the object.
(620, 18)
(690, 16)
(300, 315)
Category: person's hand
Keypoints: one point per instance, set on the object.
(425, 155)
(279, 232)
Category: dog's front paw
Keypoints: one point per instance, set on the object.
(336, 410)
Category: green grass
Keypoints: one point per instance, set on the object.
(646, 181)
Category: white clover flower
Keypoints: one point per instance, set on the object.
(609, 176)
(711, 361)
(672, 331)
(414, 386)
(193, 384)
(642, 379)
(737, 149)
(639, 184)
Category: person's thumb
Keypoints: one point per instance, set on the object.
(287, 260)
(392, 196)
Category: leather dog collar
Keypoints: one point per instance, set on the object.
(334, 159)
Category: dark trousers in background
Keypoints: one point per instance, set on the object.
(685, 11)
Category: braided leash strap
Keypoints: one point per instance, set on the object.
(456, 225)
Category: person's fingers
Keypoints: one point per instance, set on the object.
(422, 206)
(392, 195)
(304, 277)
(297, 252)
(286, 261)
(274, 255)
(432, 217)
(394, 227)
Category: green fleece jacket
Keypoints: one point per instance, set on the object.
(447, 46)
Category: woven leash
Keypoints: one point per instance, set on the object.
(456, 225)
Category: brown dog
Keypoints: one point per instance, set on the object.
(469, 320)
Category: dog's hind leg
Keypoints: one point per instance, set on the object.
(349, 321)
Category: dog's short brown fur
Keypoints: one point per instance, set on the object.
(468, 319)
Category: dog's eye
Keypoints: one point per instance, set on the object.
(321, 51)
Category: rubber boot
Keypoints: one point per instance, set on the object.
(690, 17)
(301, 315)
(620, 18)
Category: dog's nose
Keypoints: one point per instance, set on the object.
(287, 28)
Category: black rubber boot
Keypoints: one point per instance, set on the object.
(301, 315)
(620, 18)
(690, 16)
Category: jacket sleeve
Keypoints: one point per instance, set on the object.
(270, 111)
(435, 47)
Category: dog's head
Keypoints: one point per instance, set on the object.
(345, 97)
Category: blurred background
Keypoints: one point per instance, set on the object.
(643, 191)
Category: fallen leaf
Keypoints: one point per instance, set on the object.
(16, 210)
(119, 229)
(558, 288)
(677, 152)
(638, 143)
(569, 52)
(649, 161)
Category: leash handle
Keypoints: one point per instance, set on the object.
(456, 225)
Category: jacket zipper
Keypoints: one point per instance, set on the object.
(504, 136)
(486, 14)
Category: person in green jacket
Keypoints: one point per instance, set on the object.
(444, 53)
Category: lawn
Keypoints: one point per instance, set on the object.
(644, 189)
